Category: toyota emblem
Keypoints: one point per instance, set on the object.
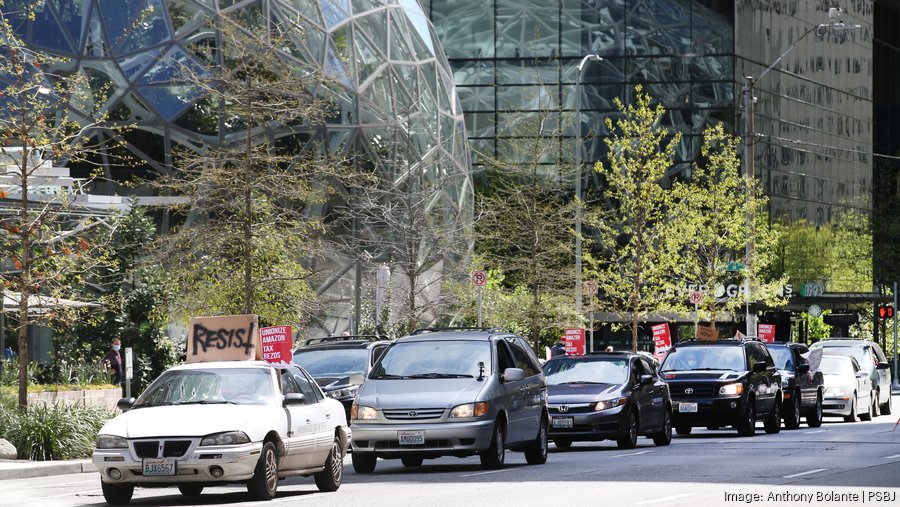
(412, 413)
(689, 391)
(563, 408)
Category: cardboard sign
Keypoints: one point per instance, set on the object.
(766, 332)
(277, 344)
(574, 340)
(227, 338)
(707, 334)
(662, 340)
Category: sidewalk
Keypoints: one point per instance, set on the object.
(22, 469)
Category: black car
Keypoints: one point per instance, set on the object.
(723, 383)
(612, 395)
(802, 390)
(331, 360)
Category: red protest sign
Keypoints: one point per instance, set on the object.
(574, 340)
(766, 332)
(276, 344)
(662, 340)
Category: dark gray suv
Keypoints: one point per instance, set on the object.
(452, 392)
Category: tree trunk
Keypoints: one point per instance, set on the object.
(24, 281)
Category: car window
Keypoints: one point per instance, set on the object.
(245, 386)
(636, 372)
(648, 368)
(332, 362)
(756, 354)
(712, 357)
(305, 386)
(377, 352)
(582, 370)
(783, 357)
(879, 353)
(288, 384)
(520, 356)
(836, 365)
(535, 363)
(434, 359)
(504, 356)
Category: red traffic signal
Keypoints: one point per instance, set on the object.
(885, 312)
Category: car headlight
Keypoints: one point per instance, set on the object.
(731, 390)
(785, 382)
(226, 438)
(838, 392)
(363, 413)
(110, 442)
(608, 404)
(479, 409)
(343, 392)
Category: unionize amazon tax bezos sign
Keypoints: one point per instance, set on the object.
(276, 344)
(224, 338)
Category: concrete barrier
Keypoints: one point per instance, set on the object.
(105, 398)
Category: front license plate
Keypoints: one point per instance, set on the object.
(687, 408)
(411, 437)
(563, 422)
(159, 466)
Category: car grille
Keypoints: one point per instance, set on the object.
(568, 409)
(171, 448)
(429, 444)
(678, 391)
(413, 414)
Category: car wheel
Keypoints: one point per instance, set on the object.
(264, 483)
(190, 489)
(628, 440)
(562, 443)
(363, 462)
(868, 415)
(886, 408)
(664, 437)
(851, 417)
(773, 422)
(117, 494)
(536, 452)
(494, 456)
(412, 461)
(330, 478)
(792, 412)
(747, 426)
(814, 417)
(683, 430)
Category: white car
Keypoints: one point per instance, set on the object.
(223, 422)
(848, 389)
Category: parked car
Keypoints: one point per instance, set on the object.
(212, 423)
(452, 392)
(802, 390)
(872, 360)
(332, 360)
(723, 383)
(612, 395)
(848, 388)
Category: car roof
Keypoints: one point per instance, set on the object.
(615, 354)
(222, 364)
(454, 334)
(349, 344)
(720, 343)
(844, 342)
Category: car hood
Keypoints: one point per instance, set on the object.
(419, 393)
(193, 421)
(838, 380)
(332, 382)
(583, 393)
(722, 375)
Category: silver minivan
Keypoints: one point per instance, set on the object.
(452, 392)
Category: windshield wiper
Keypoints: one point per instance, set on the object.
(152, 404)
(387, 376)
(581, 382)
(439, 375)
(206, 402)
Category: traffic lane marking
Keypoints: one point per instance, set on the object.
(489, 472)
(631, 454)
(892, 456)
(665, 499)
(808, 472)
(814, 432)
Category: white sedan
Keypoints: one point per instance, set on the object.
(223, 422)
(848, 389)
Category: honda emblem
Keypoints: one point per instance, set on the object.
(563, 409)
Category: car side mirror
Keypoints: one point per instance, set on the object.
(646, 380)
(760, 367)
(125, 404)
(513, 374)
(884, 366)
(803, 369)
(294, 399)
(862, 374)
(356, 379)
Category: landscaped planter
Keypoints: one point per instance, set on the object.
(105, 398)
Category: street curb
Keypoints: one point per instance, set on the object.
(28, 470)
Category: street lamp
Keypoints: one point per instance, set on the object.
(834, 24)
(581, 66)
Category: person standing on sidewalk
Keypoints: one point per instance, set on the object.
(114, 359)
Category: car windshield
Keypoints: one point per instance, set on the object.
(861, 353)
(586, 371)
(832, 365)
(783, 358)
(242, 386)
(333, 362)
(705, 358)
(434, 359)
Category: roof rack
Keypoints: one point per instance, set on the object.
(425, 330)
(346, 337)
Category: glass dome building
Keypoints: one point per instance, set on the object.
(389, 73)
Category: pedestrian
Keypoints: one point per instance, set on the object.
(558, 350)
(609, 348)
(114, 359)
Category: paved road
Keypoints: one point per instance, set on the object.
(838, 464)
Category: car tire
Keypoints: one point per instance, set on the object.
(494, 456)
(664, 436)
(115, 494)
(792, 413)
(190, 489)
(773, 422)
(886, 408)
(562, 443)
(683, 430)
(363, 462)
(868, 415)
(628, 440)
(536, 452)
(747, 426)
(264, 483)
(412, 461)
(851, 417)
(814, 417)
(329, 480)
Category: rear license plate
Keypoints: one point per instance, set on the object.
(159, 466)
(563, 422)
(411, 437)
(687, 408)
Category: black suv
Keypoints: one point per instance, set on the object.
(331, 360)
(723, 383)
(802, 390)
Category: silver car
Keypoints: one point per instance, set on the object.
(871, 360)
(456, 392)
(848, 389)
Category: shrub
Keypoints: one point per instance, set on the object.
(52, 431)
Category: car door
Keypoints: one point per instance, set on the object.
(641, 395)
(765, 385)
(534, 388)
(513, 393)
(883, 384)
(300, 444)
(322, 415)
(659, 393)
(808, 389)
(863, 386)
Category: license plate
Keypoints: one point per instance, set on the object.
(563, 422)
(687, 408)
(411, 437)
(159, 466)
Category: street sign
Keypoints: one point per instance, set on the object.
(696, 297)
(479, 278)
(590, 287)
(129, 364)
(734, 266)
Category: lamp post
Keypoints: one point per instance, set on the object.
(834, 24)
(580, 69)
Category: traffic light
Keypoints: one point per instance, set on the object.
(885, 312)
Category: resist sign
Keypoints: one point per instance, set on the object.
(227, 338)
(276, 344)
